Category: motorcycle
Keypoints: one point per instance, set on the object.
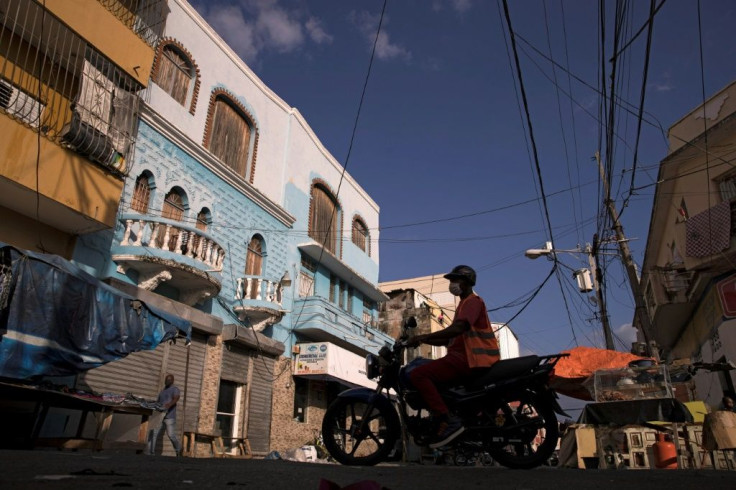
(508, 411)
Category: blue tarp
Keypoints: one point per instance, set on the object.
(57, 320)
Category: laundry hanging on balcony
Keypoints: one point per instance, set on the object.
(57, 320)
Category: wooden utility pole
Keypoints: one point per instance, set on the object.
(597, 281)
(641, 310)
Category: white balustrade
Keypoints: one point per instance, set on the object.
(258, 288)
(185, 242)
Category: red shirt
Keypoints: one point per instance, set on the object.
(472, 310)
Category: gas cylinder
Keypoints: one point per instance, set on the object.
(665, 454)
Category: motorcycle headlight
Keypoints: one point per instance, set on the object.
(371, 366)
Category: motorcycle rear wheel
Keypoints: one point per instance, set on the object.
(532, 444)
(356, 434)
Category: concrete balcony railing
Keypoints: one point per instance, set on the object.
(258, 288)
(170, 236)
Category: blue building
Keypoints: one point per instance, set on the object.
(230, 217)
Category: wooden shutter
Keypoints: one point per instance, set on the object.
(173, 210)
(360, 234)
(141, 195)
(322, 228)
(230, 137)
(174, 74)
(254, 259)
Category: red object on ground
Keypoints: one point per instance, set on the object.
(570, 372)
(665, 453)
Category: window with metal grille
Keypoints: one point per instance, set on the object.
(229, 137)
(175, 73)
(323, 221)
(141, 194)
(360, 235)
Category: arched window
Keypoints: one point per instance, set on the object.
(360, 235)
(175, 72)
(229, 133)
(324, 218)
(203, 220)
(174, 210)
(254, 266)
(141, 194)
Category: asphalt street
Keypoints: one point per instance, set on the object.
(47, 469)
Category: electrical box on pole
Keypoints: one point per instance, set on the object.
(585, 282)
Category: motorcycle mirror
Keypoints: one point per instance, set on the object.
(410, 322)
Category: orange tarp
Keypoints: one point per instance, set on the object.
(571, 372)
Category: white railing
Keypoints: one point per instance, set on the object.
(189, 242)
(258, 288)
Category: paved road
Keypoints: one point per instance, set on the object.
(84, 470)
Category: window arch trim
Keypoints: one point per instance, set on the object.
(155, 72)
(230, 98)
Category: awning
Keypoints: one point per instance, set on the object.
(325, 361)
(315, 251)
(57, 320)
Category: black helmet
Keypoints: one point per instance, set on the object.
(463, 272)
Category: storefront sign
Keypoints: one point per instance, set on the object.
(312, 359)
(328, 361)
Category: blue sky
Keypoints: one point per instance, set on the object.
(441, 134)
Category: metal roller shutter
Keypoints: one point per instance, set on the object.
(190, 386)
(139, 373)
(259, 417)
(235, 360)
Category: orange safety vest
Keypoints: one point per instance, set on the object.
(481, 345)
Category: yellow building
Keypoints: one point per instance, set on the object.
(689, 271)
(71, 76)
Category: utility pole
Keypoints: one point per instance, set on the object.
(641, 310)
(597, 281)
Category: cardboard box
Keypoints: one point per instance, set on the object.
(719, 430)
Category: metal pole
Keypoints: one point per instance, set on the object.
(597, 281)
(640, 312)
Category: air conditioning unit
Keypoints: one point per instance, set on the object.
(87, 140)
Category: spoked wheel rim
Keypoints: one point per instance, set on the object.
(356, 433)
(535, 441)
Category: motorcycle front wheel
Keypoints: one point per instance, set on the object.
(359, 433)
(532, 431)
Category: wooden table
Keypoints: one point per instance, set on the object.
(45, 400)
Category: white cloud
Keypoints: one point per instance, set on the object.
(627, 334)
(257, 26)
(461, 6)
(316, 32)
(368, 24)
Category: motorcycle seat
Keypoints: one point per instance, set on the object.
(507, 368)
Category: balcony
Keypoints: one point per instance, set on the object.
(259, 301)
(84, 102)
(162, 250)
(321, 321)
(146, 18)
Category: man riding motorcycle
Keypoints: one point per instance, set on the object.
(470, 343)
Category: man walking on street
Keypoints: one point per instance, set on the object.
(168, 398)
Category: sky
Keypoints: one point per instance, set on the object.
(442, 141)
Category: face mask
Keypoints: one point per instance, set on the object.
(456, 289)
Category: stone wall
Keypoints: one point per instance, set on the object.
(286, 433)
(210, 387)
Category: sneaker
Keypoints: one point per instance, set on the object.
(448, 430)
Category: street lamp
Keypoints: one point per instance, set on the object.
(583, 278)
